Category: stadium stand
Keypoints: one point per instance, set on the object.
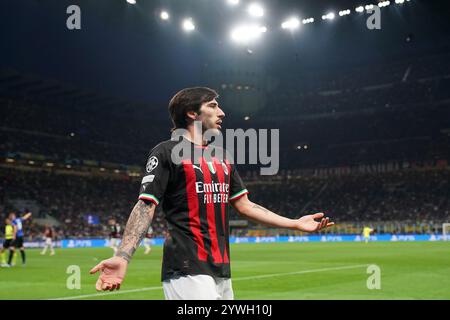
(393, 117)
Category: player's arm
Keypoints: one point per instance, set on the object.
(26, 216)
(113, 270)
(259, 214)
(140, 219)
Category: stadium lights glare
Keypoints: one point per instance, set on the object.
(292, 23)
(369, 7)
(255, 10)
(188, 25)
(131, 1)
(359, 9)
(164, 15)
(384, 4)
(233, 2)
(328, 16)
(344, 12)
(308, 20)
(247, 33)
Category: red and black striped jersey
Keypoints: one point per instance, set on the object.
(195, 194)
(48, 233)
(115, 231)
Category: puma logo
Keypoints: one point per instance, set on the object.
(197, 167)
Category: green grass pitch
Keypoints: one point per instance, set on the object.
(414, 270)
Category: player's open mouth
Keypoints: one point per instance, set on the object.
(219, 124)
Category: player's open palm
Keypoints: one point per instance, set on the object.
(309, 224)
(112, 273)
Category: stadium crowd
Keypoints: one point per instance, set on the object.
(412, 195)
(407, 82)
(393, 112)
(404, 195)
(363, 114)
(70, 199)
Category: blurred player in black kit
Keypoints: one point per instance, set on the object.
(114, 234)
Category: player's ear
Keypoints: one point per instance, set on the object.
(192, 115)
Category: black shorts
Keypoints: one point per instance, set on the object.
(18, 243)
(7, 243)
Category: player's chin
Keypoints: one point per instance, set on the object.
(216, 130)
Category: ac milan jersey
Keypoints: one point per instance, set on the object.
(48, 233)
(195, 198)
(115, 231)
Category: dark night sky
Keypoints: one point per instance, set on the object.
(128, 52)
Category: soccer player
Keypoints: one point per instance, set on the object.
(366, 233)
(114, 234)
(147, 240)
(17, 223)
(9, 238)
(49, 234)
(195, 196)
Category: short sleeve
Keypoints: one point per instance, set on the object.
(237, 187)
(156, 177)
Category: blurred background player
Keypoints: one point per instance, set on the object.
(366, 233)
(9, 238)
(17, 223)
(48, 235)
(147, 240)
(114, 235)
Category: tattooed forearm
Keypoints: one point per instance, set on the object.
(261, 208)
(137, 226)
(261, 215)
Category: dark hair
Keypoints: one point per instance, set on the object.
(189, 99)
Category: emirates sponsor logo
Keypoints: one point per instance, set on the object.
(201, 187)
(213, 192)
(215, 198)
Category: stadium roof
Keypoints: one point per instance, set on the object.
(129, 51)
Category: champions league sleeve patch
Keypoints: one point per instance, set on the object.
(152, 163)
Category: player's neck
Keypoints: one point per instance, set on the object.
(195, 137)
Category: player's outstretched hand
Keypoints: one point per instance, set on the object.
(112, 272)
(309, 224)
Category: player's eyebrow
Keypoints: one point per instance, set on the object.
(212, 104)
